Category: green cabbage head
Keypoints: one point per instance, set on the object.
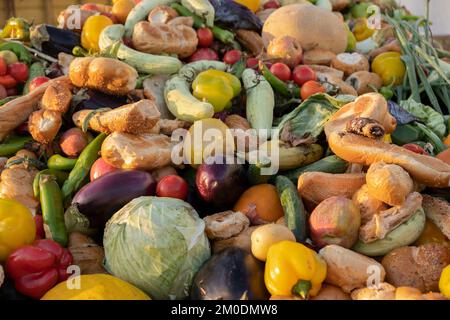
(157, 244)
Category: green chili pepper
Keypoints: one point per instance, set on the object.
(16, 28)
(279, 85)
(238, 68)
(82, 167)
(432, 138)
(387, 92)
(20, 51)
(12, 145)
(52, 208)
(60, 176)
(7, 99)
(58, 162)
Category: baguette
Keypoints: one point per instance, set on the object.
(371, 105)
(57, 97)
(134, 118)
(427, 170)
(108, 75)
(142, 152)
(44, 125)
(17, 111)
(438, 211)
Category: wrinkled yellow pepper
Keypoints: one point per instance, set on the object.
(292, 268)
(390, 67)
(361, 30)
(216, 87)
(92, 28)
(444, 282)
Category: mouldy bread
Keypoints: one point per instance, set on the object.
(368, 205)
(350, 63)
(384, 291)
(365, 82)
(417, 267)
(319, 57)
(224, 225)
(329, 292)
(348, 269)
(438, 211)
(305, 23)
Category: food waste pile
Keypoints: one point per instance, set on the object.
(225, 150)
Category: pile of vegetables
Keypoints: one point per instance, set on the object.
(220, 149)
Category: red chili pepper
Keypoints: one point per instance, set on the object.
(415, 148)
(37, 268)
(39, 221)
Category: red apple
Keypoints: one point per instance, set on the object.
(100, 168)
(36, 82)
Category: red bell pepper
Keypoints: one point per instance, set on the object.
(37, 268)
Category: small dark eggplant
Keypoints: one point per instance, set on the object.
(232, 274)
(100, 199)
(221, 184)
(98, 100)
(51, 40)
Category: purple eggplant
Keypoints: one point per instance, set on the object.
(221, 184)
(101, 198)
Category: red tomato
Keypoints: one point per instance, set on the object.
(203, 54)
(8, 81)
(303, 74)
(3, 92)
(3, 67)
(205, 37)
(172, 187)
(252, 62)
(310, 88)
(415, 148)
(100, 168)
(281, 71)
(18, 71)
(36, 82)
(39, 221)
(271, 5)
(12, 92)
(232, 56)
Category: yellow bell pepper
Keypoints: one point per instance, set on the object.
(292, 268)
(387, 138)
(17, 227)
(216, 87)
(251, 4)
(444, 282)
(92, 28)
(390, 67)
(361, 30)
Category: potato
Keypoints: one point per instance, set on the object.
(329, 292)
(242, 240)
(312, 26)
(73, 141)
(267, 235)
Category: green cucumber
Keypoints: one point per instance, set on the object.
(294, 212)
(330, 164)
(254, 175)
(406, 133)
(36, 70)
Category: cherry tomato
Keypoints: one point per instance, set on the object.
(172, 187)
(3, 67)
(3, 92)
(415, 148)
(281, 71)
(40, 233)
(252, 62)
(8, 81)
(204, 54)
(205, 37)
(12, 92)
(100, 168)
(36, 82)
(310, 88)
(18, 71)
(303, 74)
(232, 56)
(271, 5)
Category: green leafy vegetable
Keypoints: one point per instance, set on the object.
(157, 244)
(433, 119)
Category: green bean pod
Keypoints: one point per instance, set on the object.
(12, 145)
(82, 167)
(60, 176)
(52, 208)
(277, 84)
(58, 162)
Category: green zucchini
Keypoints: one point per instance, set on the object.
(36, 70)
(404, 134)
(330, 164)
(254, 175)
(111, 39)
(202, 8)
(294, 212)
(52, 208)
(260, 100)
